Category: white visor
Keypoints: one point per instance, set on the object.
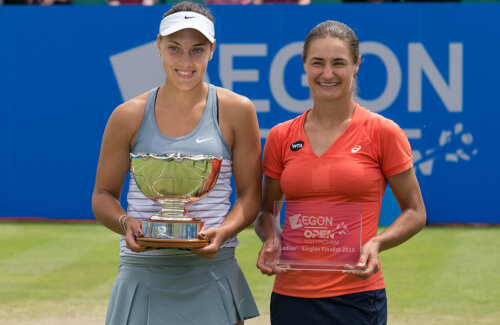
(187, 19)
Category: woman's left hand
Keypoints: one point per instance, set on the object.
(215, 240)
(368, 263)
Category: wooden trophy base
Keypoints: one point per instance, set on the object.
(171, 243)
(172, 233)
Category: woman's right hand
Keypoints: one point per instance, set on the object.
(133, 228)
(270, 249)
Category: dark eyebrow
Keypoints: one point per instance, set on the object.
(334, 60)
(195, 45)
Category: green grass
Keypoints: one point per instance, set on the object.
(55, 270)
(65, 272)
(445, 275)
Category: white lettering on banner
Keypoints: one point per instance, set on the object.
(264, 132)
(143, 61)
(420, 62)
(277, 82)
(413, 133)
(228, 75)
(393, 69)
(139, 69)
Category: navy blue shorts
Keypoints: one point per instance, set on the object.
(361, 308)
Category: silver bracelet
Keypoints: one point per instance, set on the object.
(121, 222)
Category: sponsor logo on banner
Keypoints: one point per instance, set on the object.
(453, 146)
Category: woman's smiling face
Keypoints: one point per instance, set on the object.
(330, 69)
(185, 55)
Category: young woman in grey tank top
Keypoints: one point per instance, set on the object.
(157, 287)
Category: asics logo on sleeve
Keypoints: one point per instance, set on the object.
(297, 145)
(356, 148)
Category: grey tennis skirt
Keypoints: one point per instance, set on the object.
(180, 290)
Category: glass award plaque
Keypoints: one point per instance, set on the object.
(322, 236)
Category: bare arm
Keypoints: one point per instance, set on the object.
(271, 191)
(242, 131)
(411, 220)
(112, 169)
(247, 173)
(264, 225)
(413, 216)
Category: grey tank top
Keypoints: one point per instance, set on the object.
(205, 139)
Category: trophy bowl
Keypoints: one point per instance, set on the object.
(174, 180)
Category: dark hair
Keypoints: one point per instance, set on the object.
(190, 6)
(334, 29)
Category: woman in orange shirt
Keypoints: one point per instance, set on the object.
(337, 151)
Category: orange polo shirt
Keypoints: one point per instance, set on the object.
(353, 169)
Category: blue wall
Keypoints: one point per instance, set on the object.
(432, 68)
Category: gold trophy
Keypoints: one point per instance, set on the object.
(174, 180)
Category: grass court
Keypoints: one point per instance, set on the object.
(62, 273)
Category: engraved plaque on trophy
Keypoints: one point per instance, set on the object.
(174, 180)
(322, 236)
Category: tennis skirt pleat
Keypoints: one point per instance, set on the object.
(180, 290)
